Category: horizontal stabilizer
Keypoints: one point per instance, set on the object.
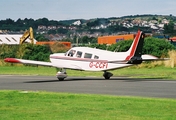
(152, 58)
(144, 58)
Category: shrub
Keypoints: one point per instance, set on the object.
(157, 47)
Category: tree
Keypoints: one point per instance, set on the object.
(93, 23)
(52, 32)
(43, 21)
(41, 37)
(169, 28)
(157, 47)
(85, 39)
(37, 52)
(62, 31)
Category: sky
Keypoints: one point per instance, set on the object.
(83, 9)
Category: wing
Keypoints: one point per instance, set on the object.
(32, 62)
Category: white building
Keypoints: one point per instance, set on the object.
(12, 39)
(77, 22)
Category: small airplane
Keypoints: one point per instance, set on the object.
(92, 59)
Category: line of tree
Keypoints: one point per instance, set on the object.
(20, 24)
(23, 24)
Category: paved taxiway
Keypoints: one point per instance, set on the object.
(121, 86)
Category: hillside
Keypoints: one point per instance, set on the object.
(69, 29)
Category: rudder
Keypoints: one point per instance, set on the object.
(135, 50)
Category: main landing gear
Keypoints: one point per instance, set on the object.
(107, 75)
(61, 75)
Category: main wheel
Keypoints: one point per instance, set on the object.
(61, 79)
(107, 75)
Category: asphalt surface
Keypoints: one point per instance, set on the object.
(120, 86)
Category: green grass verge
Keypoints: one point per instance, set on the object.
(30, 105)
(159, 72)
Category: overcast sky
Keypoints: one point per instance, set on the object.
(83, 9)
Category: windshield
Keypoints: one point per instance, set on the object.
(71, 53)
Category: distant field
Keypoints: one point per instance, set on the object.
(33, 105)
(160, 72)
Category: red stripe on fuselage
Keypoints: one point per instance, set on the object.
(133, 50)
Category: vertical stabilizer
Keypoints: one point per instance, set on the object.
(135, 50)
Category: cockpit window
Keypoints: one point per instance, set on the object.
(78, 54)
(71, 53)
(87, 55)
(96, 57)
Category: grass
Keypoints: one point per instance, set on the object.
(27, 70)
(20, 105)
(159, 72)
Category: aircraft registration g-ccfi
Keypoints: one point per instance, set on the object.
(92, 59)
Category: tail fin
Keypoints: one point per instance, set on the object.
(135, 50)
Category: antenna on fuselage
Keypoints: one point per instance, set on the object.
(117, 48)
(107, 46)
(77, 41)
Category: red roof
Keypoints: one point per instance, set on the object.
(173, 38)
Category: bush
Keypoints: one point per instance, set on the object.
(157, 47)
(37, 52)
(8, 51)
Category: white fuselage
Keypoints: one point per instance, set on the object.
(90, 59)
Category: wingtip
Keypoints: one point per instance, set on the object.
(11, 60)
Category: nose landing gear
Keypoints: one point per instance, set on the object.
(61, 75)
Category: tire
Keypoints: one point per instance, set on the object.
(61, 79)
(106, 77)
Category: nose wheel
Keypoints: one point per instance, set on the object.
(107, 75)
(61, 75)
